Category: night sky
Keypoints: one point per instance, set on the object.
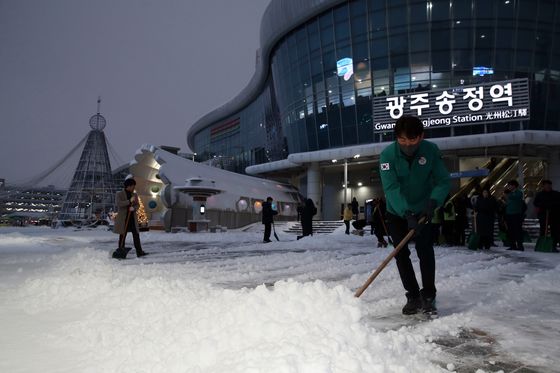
(157, 65)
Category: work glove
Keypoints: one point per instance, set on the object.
(429, 209)
(411, 220)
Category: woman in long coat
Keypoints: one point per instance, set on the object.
(485, 207)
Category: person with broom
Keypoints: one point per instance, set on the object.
(547, 203)
(485, 208)
(268, 218)
(415, 181)
(127, 204)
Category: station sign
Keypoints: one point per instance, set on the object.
(503, 101)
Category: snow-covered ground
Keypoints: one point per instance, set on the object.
(225, 302)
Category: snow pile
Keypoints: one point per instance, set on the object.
(149, 319)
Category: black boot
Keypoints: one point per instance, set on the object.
(140, 253)
(413, 304)
(429, 305)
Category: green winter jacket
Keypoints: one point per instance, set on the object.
(515, 203)
(409, 186)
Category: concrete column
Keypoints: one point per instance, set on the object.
(314, 187)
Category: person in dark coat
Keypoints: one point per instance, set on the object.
(126, 221)
(377, 221)
(355, 208)
(307, 213)
(268, 218)
(461, 222)
(547, 201)
(486, 208)
(514, 215)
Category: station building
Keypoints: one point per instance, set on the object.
(333, 76)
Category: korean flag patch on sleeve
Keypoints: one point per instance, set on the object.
(385, 167)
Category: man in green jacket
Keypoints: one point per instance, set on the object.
(415, 182)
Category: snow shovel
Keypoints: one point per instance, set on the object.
(544, 243)
(474, 238)
(385, 228)
(274, 230)
(121, 251)
(382, 266)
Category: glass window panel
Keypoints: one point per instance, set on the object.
(525, 38)
(301, 39)
(484, 9)
(313, 35)
(329, 62)
(342, 32)
(322, 127)
(364, 120)
(462, 59)
(462, 10)
(419, 41)
(316, 63)
(402, 84)
(397, 17)
(483, 57)
(441, 80)
(441, 61)
(361, 71)
(380, 63)
(506, 10)
(347, 88)
(504, 34)
(462, 38)
(419, 13)
(527, 10)
(360, 51)
(376, 4)
(363, 88)
(378, 25)
(379, 48)
(440, 10)
(341, 13)
(311, 133)
(333, 93)
(399, 61)
(484, 38)
(334, 125)
(504, 58)
(381, 86)
(546, 11)
(398, 43)
(420, 62)
(523, 59)
(441, 36)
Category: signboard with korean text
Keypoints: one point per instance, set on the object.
(456, 106)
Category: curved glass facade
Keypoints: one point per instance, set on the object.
(325, 73)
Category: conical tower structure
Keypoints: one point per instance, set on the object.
(92, 191)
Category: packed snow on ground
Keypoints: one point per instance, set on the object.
(225, 302)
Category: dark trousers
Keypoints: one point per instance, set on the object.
(267, 230)
(485, 242)
(447, 229)
(514, 230)
(135, 236)
(425, 251)
(347, 222)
